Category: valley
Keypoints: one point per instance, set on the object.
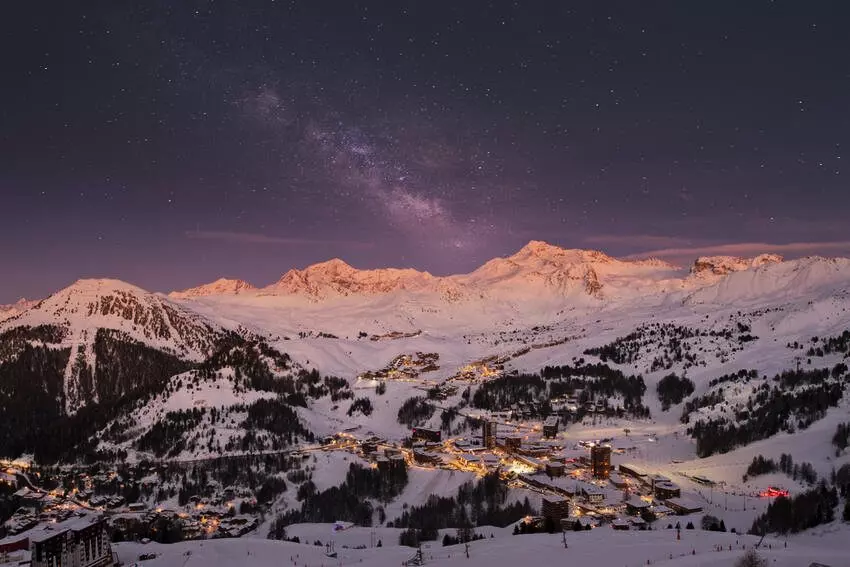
(551, 390)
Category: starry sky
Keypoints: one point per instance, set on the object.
(171, 143)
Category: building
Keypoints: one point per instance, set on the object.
(620, 524)
(550, 426)
(83, 543)
(600, 461)
(632, 471)
(427, 434)
(683, 507)
(488, 434)
(11, 550)
(703, 480)
(9, 479)
(423, 458)
(592, 494)
(513, 443)
(576, 523)
(469, 460)
(555, 508)
(554, 468)
(666, 490)
(636, 506)
(391, 463)
(617, 481)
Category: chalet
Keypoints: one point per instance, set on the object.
(619, 524)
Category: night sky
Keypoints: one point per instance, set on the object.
(170, 143)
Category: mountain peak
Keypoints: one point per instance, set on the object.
(724, 265)
(332, 265)
(545, 251)
(336, 278)
(221, 286)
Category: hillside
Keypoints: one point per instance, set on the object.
(686, 374)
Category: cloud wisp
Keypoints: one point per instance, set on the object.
(258, 238)
(748, 249)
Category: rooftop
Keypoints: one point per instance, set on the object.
(52, 530)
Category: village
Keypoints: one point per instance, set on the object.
(577, 482)
(580, 484)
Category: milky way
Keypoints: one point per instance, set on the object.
(170, 144)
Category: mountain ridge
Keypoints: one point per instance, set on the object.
(536, 268)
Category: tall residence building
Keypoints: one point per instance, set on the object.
(81, 543)
(600, 461)
(488, 432)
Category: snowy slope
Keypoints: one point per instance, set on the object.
(220, 286)
(88, 307)
(14, 309)
(603, 546)
(542, 306)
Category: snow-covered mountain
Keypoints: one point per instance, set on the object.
(91, 304)
(227, 369)
(724, 265)
(13, 309)
(542, 305)
(539, 284)
(220, 286)
(773, 280)
(92, 318)
(335, 278)
(541, 268)
(546, 274)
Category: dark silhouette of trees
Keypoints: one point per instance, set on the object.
(415, 411)
(672, 389)
(805, 510)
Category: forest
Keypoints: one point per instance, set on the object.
(797, 399)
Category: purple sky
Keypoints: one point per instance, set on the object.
(172, 143)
